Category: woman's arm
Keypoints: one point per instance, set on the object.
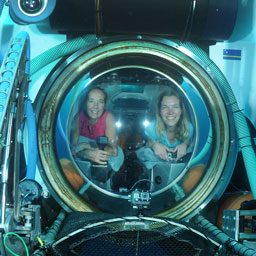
(159, 149)
(110, 132)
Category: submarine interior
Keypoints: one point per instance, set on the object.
(127, 127)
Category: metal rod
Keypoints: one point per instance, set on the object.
(17, 151)
(6, 165)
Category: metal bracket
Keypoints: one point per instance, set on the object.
(233, 224)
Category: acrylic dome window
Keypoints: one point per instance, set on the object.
(134, 74)
(132, 94)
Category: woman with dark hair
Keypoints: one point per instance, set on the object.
(94, 122)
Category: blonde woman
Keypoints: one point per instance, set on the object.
(169, 135)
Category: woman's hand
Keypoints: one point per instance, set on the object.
(99, 156)
(85, 151)
(181, 150)
(161, 150)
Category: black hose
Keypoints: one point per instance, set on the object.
(231, 244)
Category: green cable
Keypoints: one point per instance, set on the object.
(12, 233)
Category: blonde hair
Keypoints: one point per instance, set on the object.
(182, 130)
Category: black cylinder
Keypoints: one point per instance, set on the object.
(183, 19)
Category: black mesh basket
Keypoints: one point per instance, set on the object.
(93, 234)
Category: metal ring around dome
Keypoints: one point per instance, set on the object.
(152, 54)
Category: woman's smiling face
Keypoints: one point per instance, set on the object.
(170, 111)
(95, 104)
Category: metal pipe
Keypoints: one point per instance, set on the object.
(6, 164)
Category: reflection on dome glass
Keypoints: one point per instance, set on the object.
(129, 130)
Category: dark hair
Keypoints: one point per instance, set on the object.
(83, 106)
